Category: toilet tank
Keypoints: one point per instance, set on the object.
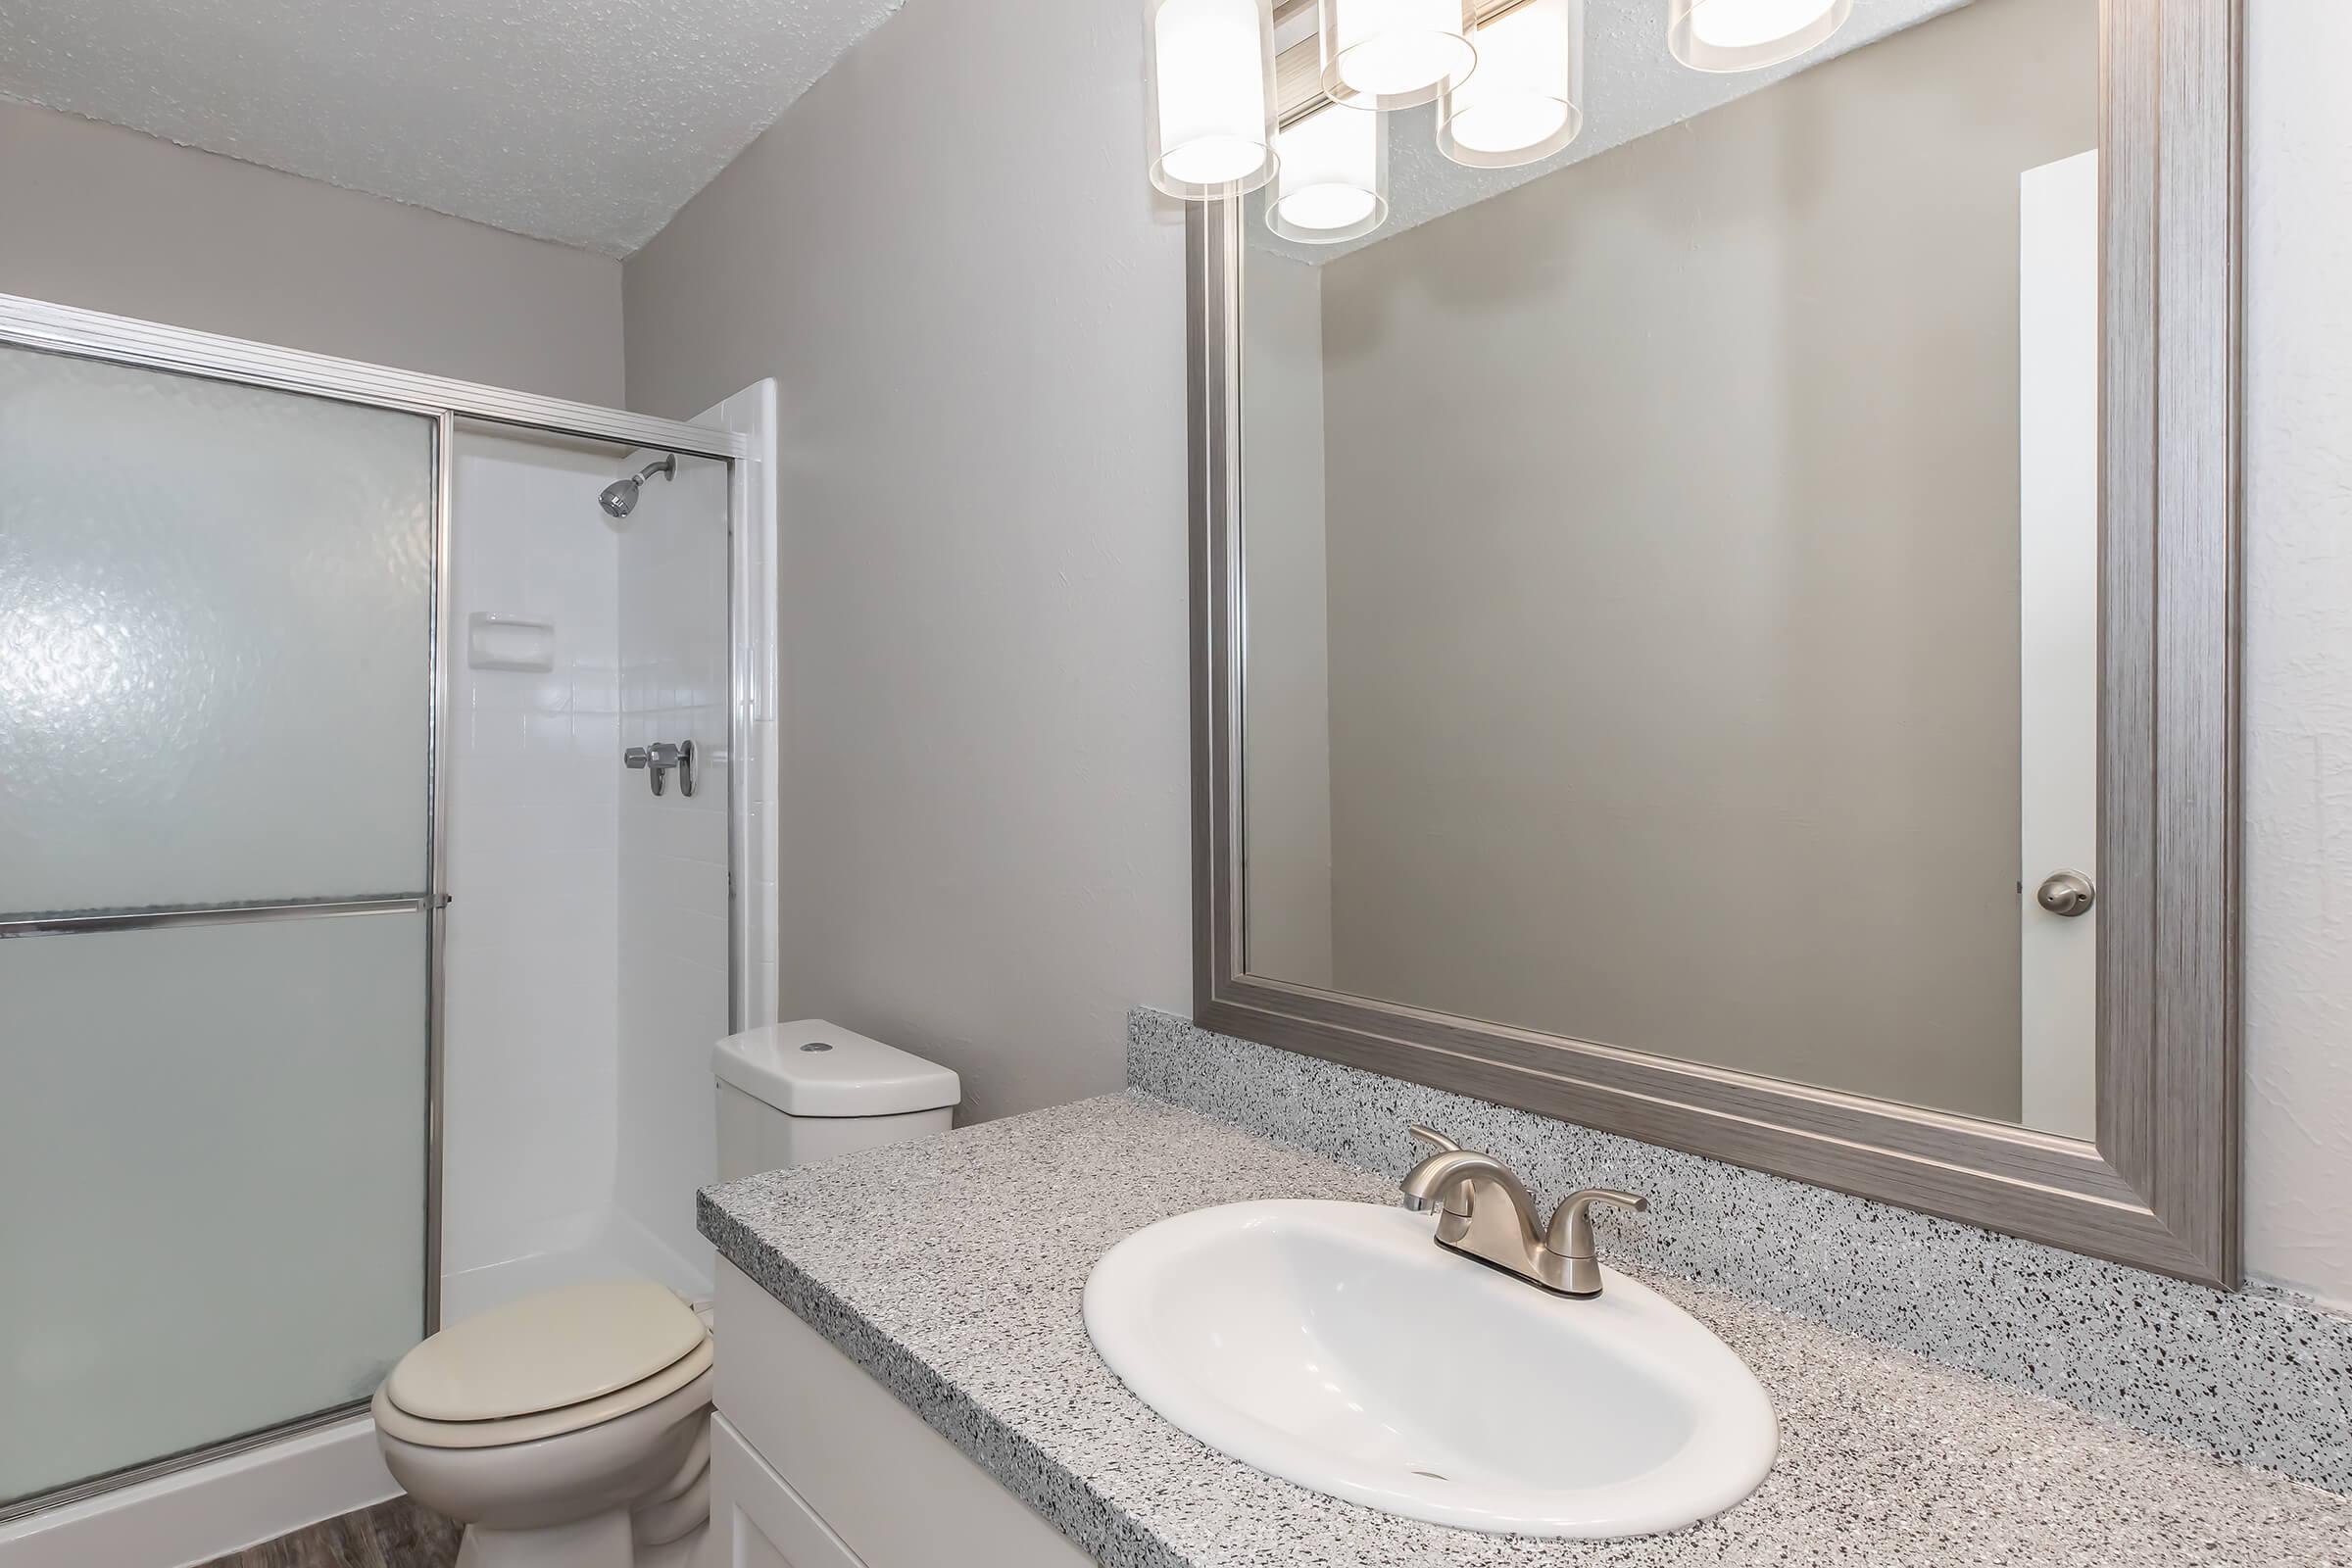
(789, 1093)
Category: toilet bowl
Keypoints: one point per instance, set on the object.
(570, 1428)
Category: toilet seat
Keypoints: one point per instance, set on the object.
(544, 1366)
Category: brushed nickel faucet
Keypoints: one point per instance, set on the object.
(1489, 1217)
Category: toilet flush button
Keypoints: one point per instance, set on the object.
(818, 1045)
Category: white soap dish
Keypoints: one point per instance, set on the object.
(508, 642)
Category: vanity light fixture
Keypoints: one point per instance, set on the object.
(1332, 182)
(1525, 101)
(1394, 54)
(1726, 35)
(1208, 69)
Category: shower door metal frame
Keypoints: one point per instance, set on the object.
(74, 333)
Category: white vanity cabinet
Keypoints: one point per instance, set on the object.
(814, 1464)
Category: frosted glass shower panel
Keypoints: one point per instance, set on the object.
(214, 631)
(211, 1183)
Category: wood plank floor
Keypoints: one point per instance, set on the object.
(391, 1535)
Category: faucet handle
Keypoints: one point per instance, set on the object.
(1571, 1232)
(1570, 1238)
(1436, 1142)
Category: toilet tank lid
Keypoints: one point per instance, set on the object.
(813, 1068)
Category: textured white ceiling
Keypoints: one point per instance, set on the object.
(1633, 87)
(588, 122)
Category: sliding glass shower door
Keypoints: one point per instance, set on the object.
(216, 608)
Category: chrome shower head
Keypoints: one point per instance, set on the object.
(619, 498)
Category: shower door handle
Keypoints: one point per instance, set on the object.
(659, 758)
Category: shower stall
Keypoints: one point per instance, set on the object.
(350, 972)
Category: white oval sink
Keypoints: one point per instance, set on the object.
(1338, 1347)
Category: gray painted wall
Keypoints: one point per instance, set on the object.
(2298, 670)
(109, 220)
(1674, 577)
(947, 254)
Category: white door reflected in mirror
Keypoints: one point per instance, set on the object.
(2058, 638)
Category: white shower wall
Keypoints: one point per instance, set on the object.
(588, 924)
(530, 1090)
(673, 849)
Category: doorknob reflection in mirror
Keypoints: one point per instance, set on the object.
(2066, 893)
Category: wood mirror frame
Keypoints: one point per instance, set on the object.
(2159, 1186)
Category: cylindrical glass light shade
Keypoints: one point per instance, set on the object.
(1394, 54)
(1526, 100)
(1724, 35)
(1208, 66)
(1334, 180)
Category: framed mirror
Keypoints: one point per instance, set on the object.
(1727, 632)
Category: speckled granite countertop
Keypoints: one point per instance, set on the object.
(966, 1307)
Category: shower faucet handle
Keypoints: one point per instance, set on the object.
(640, 757)
(659, 758)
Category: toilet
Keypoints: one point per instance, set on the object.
(571, 1428)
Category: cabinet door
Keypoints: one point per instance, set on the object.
(759, 1521)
